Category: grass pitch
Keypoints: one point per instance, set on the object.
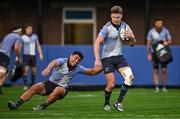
(138, 103)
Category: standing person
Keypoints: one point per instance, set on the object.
(158, 34)
(11, 42)
(29, 44)
(112, 36)
(64, 69)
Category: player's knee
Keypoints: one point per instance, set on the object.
(56, 94)
(25, 73)
(129, 80)
(111, 84)
(32, 88)
(3, 70)
(132, 77)
(33, 72)
(156, 71)
(128, 76)
(58, 91)
(163, 70)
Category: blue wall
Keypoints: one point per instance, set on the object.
(136, 57)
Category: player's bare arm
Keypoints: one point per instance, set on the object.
(97, 45)
(169, 41)
(93, 71)
(17, 48)
(48, 69)
(149, 43)
(40, 51)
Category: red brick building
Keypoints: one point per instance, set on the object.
(78, 22)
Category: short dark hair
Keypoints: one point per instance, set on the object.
(117, 9)
(158, 19)
(79, 54)
(28, 25)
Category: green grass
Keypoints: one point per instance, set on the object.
(139, 103)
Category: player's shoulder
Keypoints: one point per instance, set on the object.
(17, 36)
(24, 36)
(165, 29)
(108, 24)
(152, 30)
(123, 23)
(14, 35)
(34, 36)
(62, 59)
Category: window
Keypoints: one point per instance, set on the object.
(79, 26)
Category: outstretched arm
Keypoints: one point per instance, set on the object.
(48, 69)
(93, 71)
(97, 45)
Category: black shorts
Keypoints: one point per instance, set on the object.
(110, 64)
(29, 60)
(50, 86)
(156, 62)
(4, 60)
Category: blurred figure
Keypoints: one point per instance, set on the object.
(158, 34)
(64, 69)
(29, 45)
(9, 43)
(113, 35)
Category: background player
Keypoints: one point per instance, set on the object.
(9, 43)
(29, 44)
(158, 34)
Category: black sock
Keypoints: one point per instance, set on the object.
(19, 102)
(107, 97)
(25, 80)
(1, 90)
(44, 105)
(124, 90)
(33, 79)
(156, 87)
